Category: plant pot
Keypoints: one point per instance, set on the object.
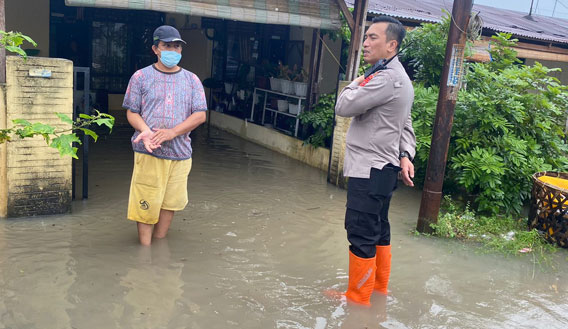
(287, 87)
(282, 105)
(300, 89)
(275, 84)
(241, 94)
(294, 108)
(228, 87)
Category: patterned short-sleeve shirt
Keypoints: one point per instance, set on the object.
(165, 100)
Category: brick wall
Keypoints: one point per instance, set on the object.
(38, 180)
(338, 147)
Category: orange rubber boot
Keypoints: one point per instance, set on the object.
(383, 268)
(361, 279)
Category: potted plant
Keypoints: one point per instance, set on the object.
(285, 81)
(275, 82)
(300, 84)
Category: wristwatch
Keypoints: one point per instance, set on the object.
(405, 154)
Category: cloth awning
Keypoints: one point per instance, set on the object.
(322, 14)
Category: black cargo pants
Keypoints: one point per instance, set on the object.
(366, 217)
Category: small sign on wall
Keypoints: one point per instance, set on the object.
(40, 73)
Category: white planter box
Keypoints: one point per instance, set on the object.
(287, 87)
(294, 108)
(275, 84)
(282, 105)
(300, 89)
(228, 87)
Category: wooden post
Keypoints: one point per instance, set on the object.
(360, 14)
(314, 69)
(2, 50)
(347, 14)
(449, 86)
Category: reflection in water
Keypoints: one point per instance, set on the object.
(34, 286)
(153, 287)
(261, 239)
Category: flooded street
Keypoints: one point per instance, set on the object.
(260, 241)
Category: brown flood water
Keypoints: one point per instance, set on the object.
(260, 241)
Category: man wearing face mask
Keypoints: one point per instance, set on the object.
(164, 104)
(380, 144)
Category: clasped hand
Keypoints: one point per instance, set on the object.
(154, 139)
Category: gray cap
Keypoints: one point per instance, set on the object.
(167, 33)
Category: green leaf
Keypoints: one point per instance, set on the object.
(21, 122)
(64, 144)
(40, 128)
(28, 39)
(85, 116)
(64, 118)
(16, 50)
(91, 133)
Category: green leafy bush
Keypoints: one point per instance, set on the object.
(321, 120)
(424, 49)
(508, 124)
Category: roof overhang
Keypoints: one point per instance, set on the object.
(323, 14)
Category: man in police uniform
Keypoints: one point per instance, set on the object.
(380, 146)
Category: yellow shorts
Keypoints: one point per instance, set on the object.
(157, 184)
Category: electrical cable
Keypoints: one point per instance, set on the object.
(474, 28)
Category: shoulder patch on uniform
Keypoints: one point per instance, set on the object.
(367, 79)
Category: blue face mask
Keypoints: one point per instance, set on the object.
(170, 58)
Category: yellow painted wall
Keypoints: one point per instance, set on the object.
(38, 180)
(30, 17)
(338, 146)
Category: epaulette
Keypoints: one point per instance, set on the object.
(367, 79)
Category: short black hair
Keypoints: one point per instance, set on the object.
(395, 29)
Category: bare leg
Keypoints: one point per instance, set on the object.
(163, 225)
(145, 233)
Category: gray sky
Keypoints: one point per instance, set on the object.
(540, 7)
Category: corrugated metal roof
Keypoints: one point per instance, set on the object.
(500, 20)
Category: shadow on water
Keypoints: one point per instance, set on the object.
(260, 240)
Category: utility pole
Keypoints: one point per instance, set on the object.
(2, 49)
(449, 86)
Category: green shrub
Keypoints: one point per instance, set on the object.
(508, 124)
(321, 120)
